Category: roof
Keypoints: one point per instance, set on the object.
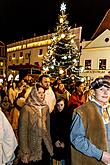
(105, 24)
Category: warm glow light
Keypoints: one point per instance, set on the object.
(72, 41)
(10, 77)
(62, 35)
(21, 57)
(74, 60)
(24, 46)
(45, 68)
(61, 20)
(30, 45)
(51, 52)
(61, 71)
(17, 77)
(1, 63)
(52, 67)
(81, 69)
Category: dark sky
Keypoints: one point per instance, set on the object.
(20, 19)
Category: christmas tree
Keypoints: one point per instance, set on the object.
(62, 60)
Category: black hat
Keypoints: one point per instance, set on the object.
(99, 82)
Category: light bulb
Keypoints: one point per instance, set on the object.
(61, 20)
(61, 71)
(62, 35)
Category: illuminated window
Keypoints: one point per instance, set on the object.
(88, 64)
(21, 54)
(1, 63)
(102, 64)
(13, 55)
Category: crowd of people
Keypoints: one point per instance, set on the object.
(44, 123)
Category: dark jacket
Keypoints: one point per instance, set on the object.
(60, 127)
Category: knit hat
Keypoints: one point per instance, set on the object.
(99, 82)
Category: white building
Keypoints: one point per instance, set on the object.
(95, 54)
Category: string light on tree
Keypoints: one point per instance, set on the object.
(63, 54)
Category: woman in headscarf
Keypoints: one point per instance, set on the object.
(34, 129)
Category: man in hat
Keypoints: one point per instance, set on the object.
(90, 130)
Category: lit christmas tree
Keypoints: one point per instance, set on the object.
(62, 60)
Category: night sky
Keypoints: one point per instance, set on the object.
(21, 19)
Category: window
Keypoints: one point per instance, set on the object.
(2, 52)
(26, 55)
(21, 54)
(10, 58)
(40, 51)
(102, 64)
(106, 39)
(1, 63)
(13, 55)
(88, 64)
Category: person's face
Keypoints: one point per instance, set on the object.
(61, 86)
(41, 94)
(81, 88)
(46, 82)
(102, 94)
(60, 105)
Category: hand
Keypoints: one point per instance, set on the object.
(106, 158)
(62, 145)
(58, 144)
(25, 159)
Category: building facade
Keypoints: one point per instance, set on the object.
(29, 53)
(3, 62)
(95, 56)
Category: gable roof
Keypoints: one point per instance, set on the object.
(105, 24)
(102, 41)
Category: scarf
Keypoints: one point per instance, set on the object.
(33, 99)
(105, 110)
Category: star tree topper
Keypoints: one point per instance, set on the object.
(63, 7)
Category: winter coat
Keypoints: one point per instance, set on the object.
(60, 127)
(95, 132)
(33, 129)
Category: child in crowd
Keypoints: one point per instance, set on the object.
(59, 124)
